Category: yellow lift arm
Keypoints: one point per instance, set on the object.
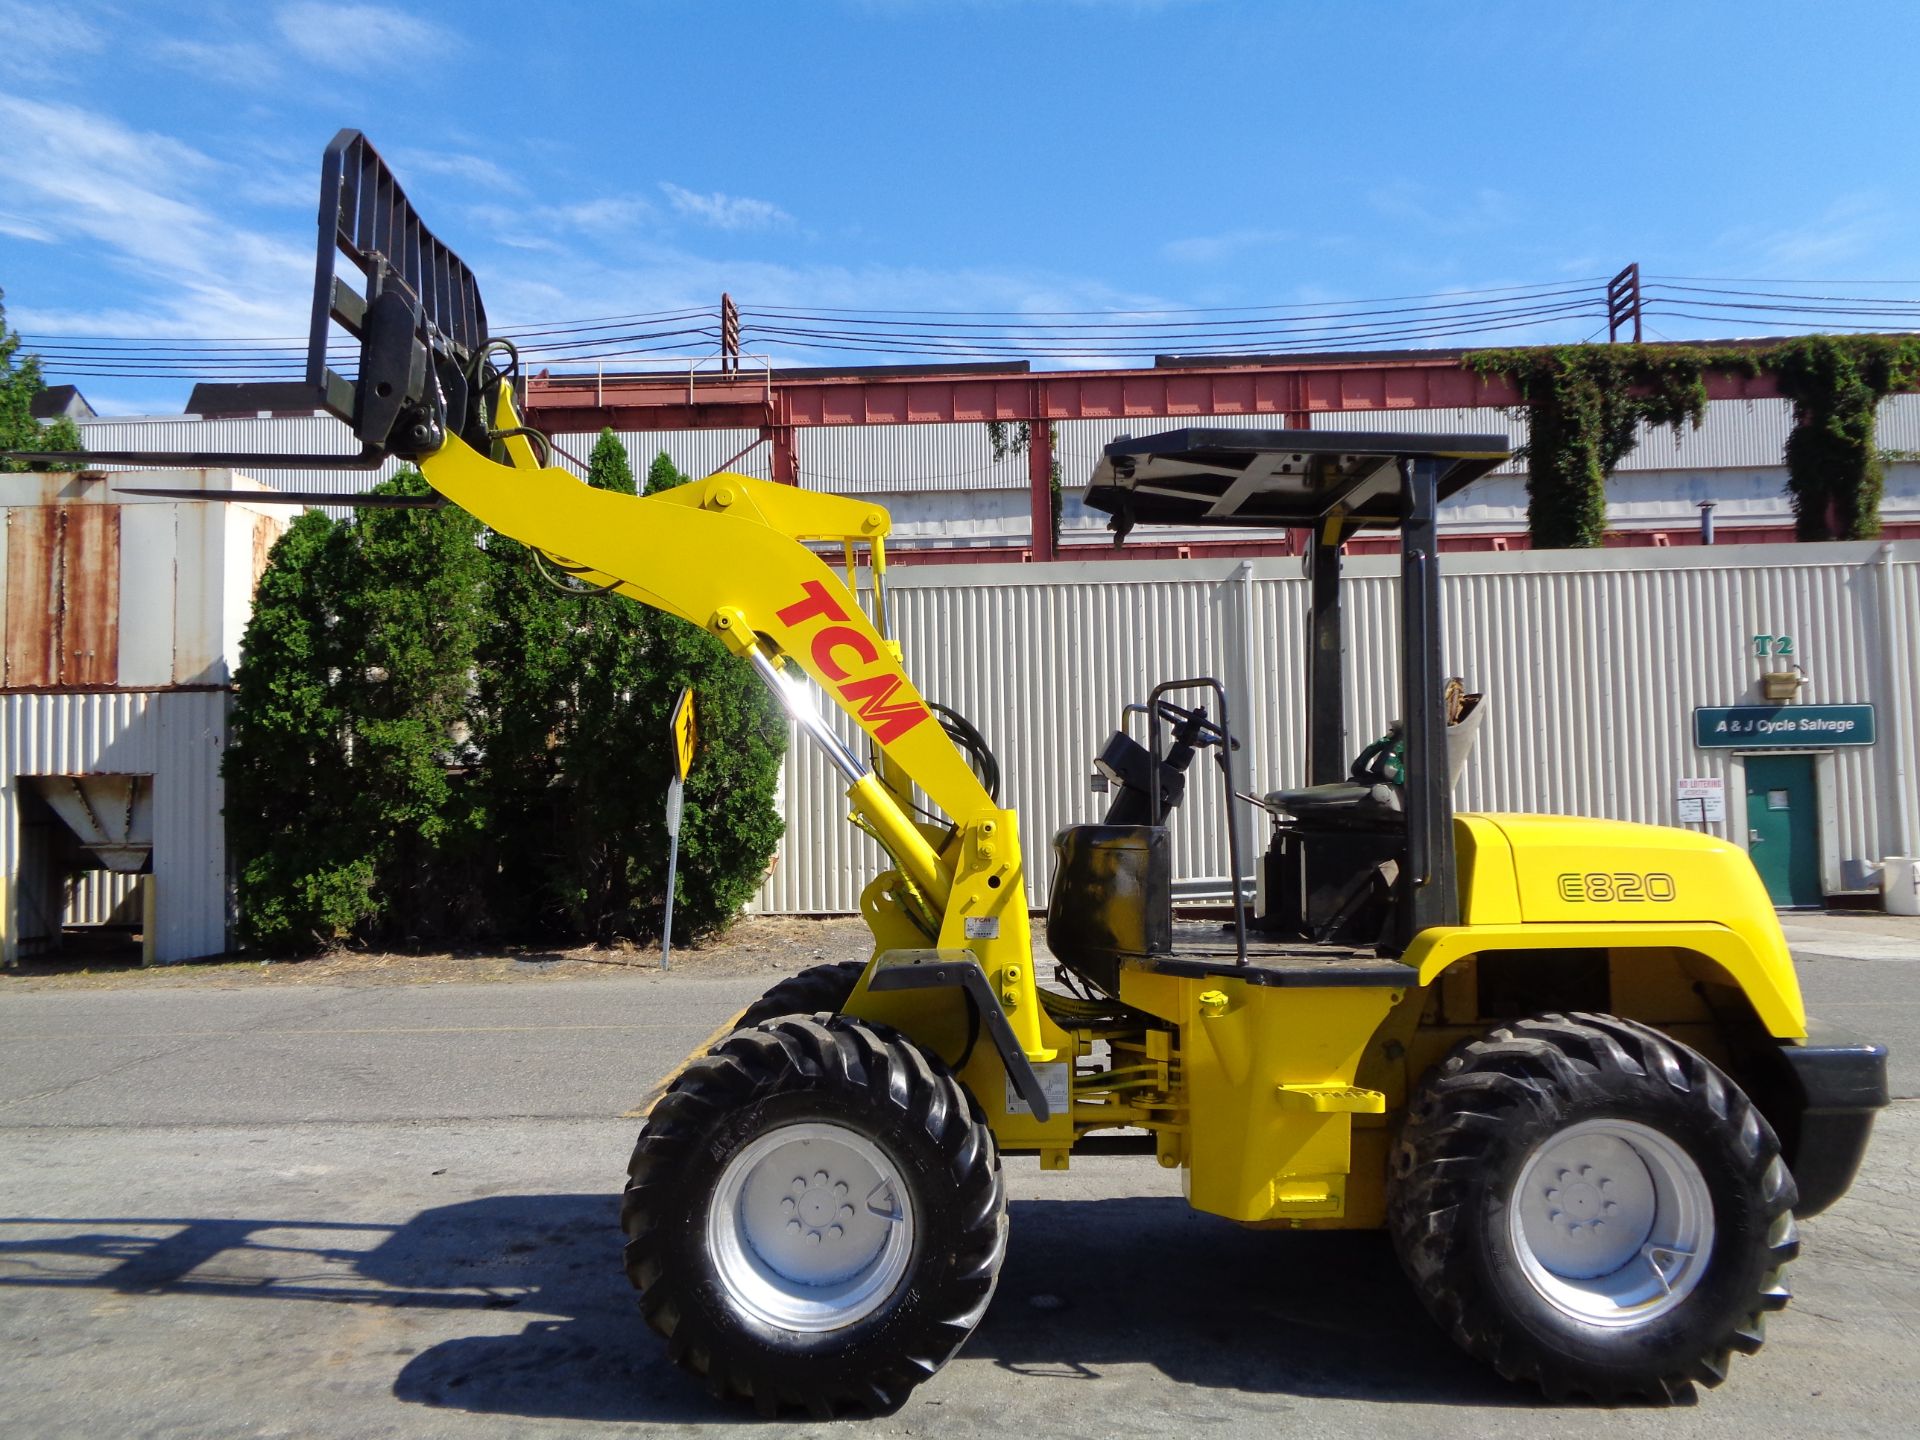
(727, 553)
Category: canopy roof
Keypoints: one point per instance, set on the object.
(1276, 477)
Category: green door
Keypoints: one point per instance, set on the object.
(1783, 827)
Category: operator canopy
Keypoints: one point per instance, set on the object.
(1276, 477)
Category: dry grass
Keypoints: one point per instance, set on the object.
(772, 945)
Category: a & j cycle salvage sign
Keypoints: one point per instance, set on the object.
(1782, 727)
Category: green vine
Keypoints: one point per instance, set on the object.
(1834, 469)
(1006, 438)
(1584, 401)
(1584, 404)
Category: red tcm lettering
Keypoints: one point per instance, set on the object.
(868, 696)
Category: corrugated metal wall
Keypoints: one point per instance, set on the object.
(1738, 436)
(1593, 662)
(266, 434)
(103, 897)
(178, 737)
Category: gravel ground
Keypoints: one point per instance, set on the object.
(769, 945)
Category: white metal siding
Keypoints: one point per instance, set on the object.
(904, 459)
(1735, 435)
(1592, 662)
(270, 435)
(1734, 459)
(694, 452)
(177, 736)
(103, 897)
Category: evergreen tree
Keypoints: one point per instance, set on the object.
(431, 743)
(20, 382)
(343, 812)
(575, 696)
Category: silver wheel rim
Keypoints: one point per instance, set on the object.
(1612, 1222)
(811, 1227)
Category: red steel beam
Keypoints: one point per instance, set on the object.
(1277, 389)
(1285, 392)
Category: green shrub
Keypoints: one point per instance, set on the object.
(342, 802)
(431, 745)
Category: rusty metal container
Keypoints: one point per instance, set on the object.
(120, 625)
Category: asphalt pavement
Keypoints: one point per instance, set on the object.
(362, 1211)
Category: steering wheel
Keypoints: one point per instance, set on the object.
(1199, 729)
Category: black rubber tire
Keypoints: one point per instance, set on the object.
(815, 989)
(1468, 1132)
(871, 1080)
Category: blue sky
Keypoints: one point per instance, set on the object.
(157, 176)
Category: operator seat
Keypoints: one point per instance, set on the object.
(1368, 792)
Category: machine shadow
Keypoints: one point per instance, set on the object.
(1089, 1285)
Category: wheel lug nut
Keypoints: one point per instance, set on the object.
(819, 1177)
(793, 1226)
(836, 1232)
(841, 1188)
(813, 1237)
(788, 1205)
(846, 1212)
(799, 1182)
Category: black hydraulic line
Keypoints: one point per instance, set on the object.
(964, 734)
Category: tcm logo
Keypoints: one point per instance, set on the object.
(832, 646)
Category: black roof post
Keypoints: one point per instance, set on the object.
(1326, 692)
(1431, 896)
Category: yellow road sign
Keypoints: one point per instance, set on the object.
(686, 733)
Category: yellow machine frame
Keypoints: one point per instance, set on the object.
(1275, 1101)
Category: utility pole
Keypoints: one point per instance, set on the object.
(1623, 303)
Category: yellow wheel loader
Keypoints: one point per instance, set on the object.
(1563, 1062)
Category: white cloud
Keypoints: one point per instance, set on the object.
(474, 169)
(234, 62)
(21, 228)
(34, 39)
(1211, 249)
(612, 214)
(85, 178)
(347, 37)
(724, 212)
(542, 226)
(1471, 212)
(1846, 231)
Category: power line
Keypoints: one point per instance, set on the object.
(1085, 336)
(1203, 310)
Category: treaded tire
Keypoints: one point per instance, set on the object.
(863, 1077)
(815, 989)
(1469, 1131)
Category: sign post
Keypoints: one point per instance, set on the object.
(1702, 800)
(685, 732)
